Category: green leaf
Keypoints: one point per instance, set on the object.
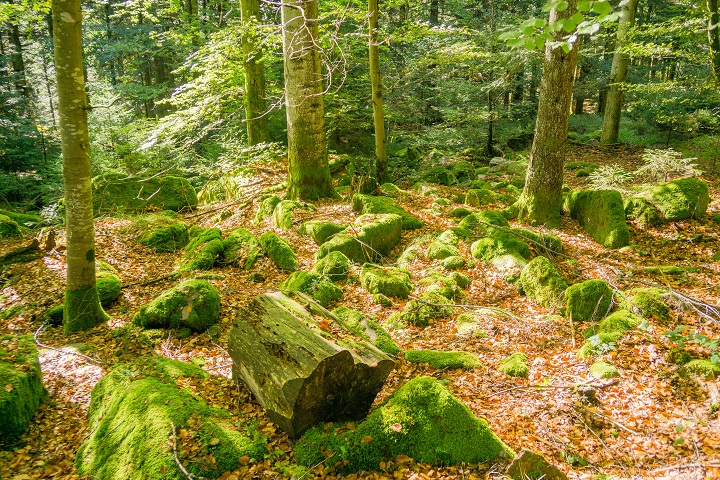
(509, 35)
(566, 47)
(577, 18)
(568, 25)
(540, 23)
(550, 5)
(601, 7)
(562, 6)
(584, 5)
(530, 43)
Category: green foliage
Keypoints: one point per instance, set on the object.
(684, 334)
(440, 359)
(609, 177)
(515, 365)
(663, 164)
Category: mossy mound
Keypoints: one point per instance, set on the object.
(108, 286)
(369, 238)
(21, 387)
(479, 197)
(648, 303)
(440, 175)
(431, 305)
(391, 190)
(421, 420)
(203, 250)
(498, 245)
(453, 262)
(390, 281)
(162, 232)
(382, 300)
(444, 246)
(464, 171)
(440, 360)
(266, 208)
(8, 227)
(335, 266)
(642, 211)
(543, 242)
(678, 356)
(460, 212)
(619, 321)
(601, 214)
(680, 199)
(118, 192)
(481, 222)
(279, 251)
(375, 205)
(701, 368)
(283, 213)
(24, 220)
(132, 414)
(193, 304)
(541, 282)
(467, 325)
(321, 231)
(599, 344)
(589, 300)
(602, 338)
(367, 329)
(320, 287)
(449, 286)
(515, 365)
(241, 248)
(602, 369)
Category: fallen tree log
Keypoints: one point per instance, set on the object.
(302, 364)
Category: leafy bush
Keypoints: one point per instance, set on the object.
(609, 177)
(662, 164)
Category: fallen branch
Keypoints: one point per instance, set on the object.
(608, 419)
(554, 387)
(245, 201)
(32, 250)
(685, 467)
(77, 354)
(187, 474)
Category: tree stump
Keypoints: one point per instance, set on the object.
(302, 364)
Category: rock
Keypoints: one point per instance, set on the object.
(107, 283)
(482, 222)
(194, 304)
(390, 281)
(529, 465)
(589, 300)
(446, 245)
(382, 300)
(515, 365)
(369, 238)
(367, 329)
(619, 321)
(601, 214)
(541, 282)
(479, 197)
(460, 212)
(499, 245)
(611, 329)
(321, 231)
(24, 220)
(368, 204)
(162, 232)
(283, 213)
(391, 190)
(440, 175)
(680, 199)
(320, 287)
(642, 211)
(335, 266)
(117, 191)
(279, 251)
(431, 305)
(648, 303)
(203, 250)
(453, 262)
(266, 208)
(704, 369)
(241, 248)
(602, 369)
(440, 360)
(8, 227)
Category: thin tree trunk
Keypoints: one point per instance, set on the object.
(82, 306)
(541, 200)
(309, 174)
(377, 94)
(255, 106)
(434, 12)
(18, 63)
(618, 74)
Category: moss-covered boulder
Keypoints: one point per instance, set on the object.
(515, 365)
(193, 304)
(320, 287)
(601, 214)
(599, 344)
(619, 321)
(107, 283)
(464, 171)
(391, 190)
(444, 246)
(643, 211)
(369, 238)
(602, 369)
(283, 213)
(203, 250)
(279, 251)
(439, 174)
(499, 244)
(589, 300)
(21, 387)
(119, 192)
(460, 212)
(419, 312)
(453, 262)
(377, 205)
(704, 369)
(610, 330)
(241, 248)
(541, 282)
(680, 199)
(8, 227)
(163, 232)
(441, 360)
(390, 281)
(421, 420)
(266, 208)
(24, 220)
(321, 231)
(479, 197)
(133, 412)
(648, 303)
(480, 222)
(367, 329)
(335, 266)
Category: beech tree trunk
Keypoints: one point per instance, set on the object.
(713, 31)
(377, 94)
(255, 107)
(18, 63)
(618, 74)
(82, 306)
(541, 199)
(309, 174)
(299, 372)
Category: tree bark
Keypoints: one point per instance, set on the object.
(618, 74)
(255, 107)
(82, 306)
(541, 200)
(377, 94)
(309, 174)
(18, 63)
(713, 32)
(297, 371)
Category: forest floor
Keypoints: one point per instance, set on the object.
(651, 422)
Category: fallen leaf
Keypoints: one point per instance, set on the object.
(367, 439)
(396, 427)
(9, 388)
(214, 441)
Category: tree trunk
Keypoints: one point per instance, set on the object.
(434, 12)
(82, 306)
(714, 38)
(377, 94)
(579, 104)
(255, 107)
(541, 200)
(618, 73)
(18, 63)
(297, 371)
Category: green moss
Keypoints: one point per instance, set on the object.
(642, 211)
(480, 222)
(541, 282)
(368, 330)
(335, 265)
(369, 238)
(453, 262)
(680, 199)
(194, 304)
(648, 303)
(619, 321)
(589, 300)
(8, 227)
(440, 360)
(283, 213)
(382, 300)
(20, 374)
(116, 191)
(460, 212)
(421, 419)
(108, 286)
(321, 231)
(440, 175)
(667, 269)
(374, 205)
(479, 197)
(24, 220)
(488, 249)
(132, 414)
(515, 365)
(266, 208)
(460, 279)
(82, 310)
(678, 356)
(464, 171)
(442, 248)
(431, 305)
(391, 190)
(602, 369)
(599, 344)
(601, 214)
(162, 232)
(55, 314)
(279, 251)
(390, 281)
(467, 325)
(701, 368)
(442, 202)
(320, 287)
(204, 249)
(241, 248)
(541, 241)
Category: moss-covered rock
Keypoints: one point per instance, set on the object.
(118, 192)
(266, 208)
(369, 238)
(453, 262)
(481, 222)
(203, 250)
(599, 344)
(498, 245)
(367, 329)
(320, 231)
(648, 303)
(279, 251)
(320, 287)
(431, 305)
(442, 202)
(602, 369)
(382, 300)
(619, 321)
(440, 360)
(391, 190)
(678, 356)
(241, 248)
(193, 304)
(55, 314)
(467, 325)
(8, 227)
(543, 242)
(701, 368)
(440, 175)
(421, 420)
(515, 365)
(464, 171)
(444, 246)
(24, 220)
(335, 265)
(460, 212)
(601, 214)
(680, 199)
(390, 281)
(369, 204)
(479, 197)
(21, 387)
(541, 282)
(108, 286)
(132, 414)
(164, 233)
(589, 300)
(283, 213)
(643, 211)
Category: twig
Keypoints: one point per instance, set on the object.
(553, 387)
(315, 466)
(216, 367)
(601, 441)
(154, 280)
(42, 345)
(614, 422)
(189, 475)
(684, 467)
